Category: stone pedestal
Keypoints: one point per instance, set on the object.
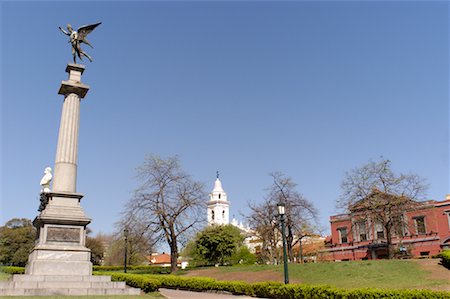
(60, 248)
(64, 285)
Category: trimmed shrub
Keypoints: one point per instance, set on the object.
(135, 269)
(135, 280)
(271, 289)
(445, 258)
(12, 270)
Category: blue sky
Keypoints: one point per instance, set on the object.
(312, 89)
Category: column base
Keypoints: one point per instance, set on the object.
(61, 245)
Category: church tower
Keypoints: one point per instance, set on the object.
(218, 211)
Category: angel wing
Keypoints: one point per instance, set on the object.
(83, 31)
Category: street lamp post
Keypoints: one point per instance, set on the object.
(125, 233)
(281, 212)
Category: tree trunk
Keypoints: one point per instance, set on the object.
(173, 257)
(389, 242)
(173, 251)
(290, 241)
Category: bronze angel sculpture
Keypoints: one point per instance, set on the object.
(77, 37)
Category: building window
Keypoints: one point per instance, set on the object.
(361, 230)
(343, 234)
(419, 223)
(379, 231)
(448, 218)
(223, 214)
(219, 195)
(212, 215)
(399, 227)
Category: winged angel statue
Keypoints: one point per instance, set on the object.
(77, 37)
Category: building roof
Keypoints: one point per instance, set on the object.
(158, 259)
(217, 186)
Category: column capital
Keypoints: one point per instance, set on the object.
(75, 67)
(74, 84)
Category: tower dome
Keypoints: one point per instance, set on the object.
(218, 210)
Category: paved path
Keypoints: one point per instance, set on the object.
(177, 294)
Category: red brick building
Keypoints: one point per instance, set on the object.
(426, 232)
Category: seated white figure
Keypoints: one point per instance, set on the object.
(46, 179)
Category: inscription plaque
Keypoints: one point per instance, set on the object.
(63, 234)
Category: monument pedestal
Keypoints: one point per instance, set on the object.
(60, 248)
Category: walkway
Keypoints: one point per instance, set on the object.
(177, 294)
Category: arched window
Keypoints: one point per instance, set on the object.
(223, 214)
(212, 215)
(219, 195)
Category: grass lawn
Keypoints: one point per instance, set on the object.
(386, 274)
(398, 274)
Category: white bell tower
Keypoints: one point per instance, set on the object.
(218, 211)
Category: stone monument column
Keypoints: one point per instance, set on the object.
(65, 174)
(60, 248)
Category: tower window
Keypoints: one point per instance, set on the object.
(212, 215)
(223, 214)
(219, 195)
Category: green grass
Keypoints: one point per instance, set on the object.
(386, 274)
(396, 274)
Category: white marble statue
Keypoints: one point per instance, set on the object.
(46, 179)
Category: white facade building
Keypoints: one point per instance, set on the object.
(218, 211)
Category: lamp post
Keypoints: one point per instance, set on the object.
(125, 233)
(281, 212)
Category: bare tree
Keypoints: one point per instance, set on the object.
(301, 215)
(263, 221)
(378, 196)
(140, 239)
(168, 202)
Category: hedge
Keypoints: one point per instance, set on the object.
(445, 258)
(12, 270)
(274, 289)
(135, 280)
(135, 269)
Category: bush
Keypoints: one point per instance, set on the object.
(271, 289)
(12, 270)
(135, 269)
(135, 280)
(445, 258)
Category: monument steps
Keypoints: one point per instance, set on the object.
(64, 285)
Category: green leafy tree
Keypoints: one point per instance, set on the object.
(243, 256)
(16, 241)
(218, 244)
(97, 247)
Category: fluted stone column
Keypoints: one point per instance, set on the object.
(65, 174)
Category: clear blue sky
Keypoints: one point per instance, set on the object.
(312, 89)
